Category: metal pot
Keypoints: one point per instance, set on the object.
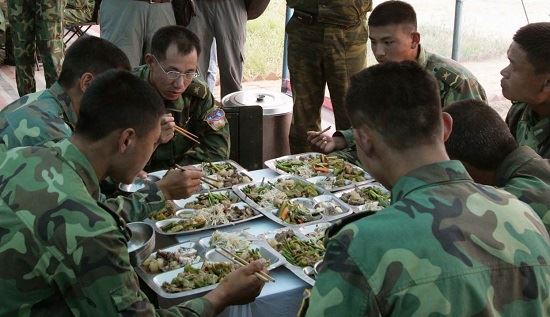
(277, 116)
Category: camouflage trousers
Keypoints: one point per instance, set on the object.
(319, 55)
(36, 24)
(78, 12)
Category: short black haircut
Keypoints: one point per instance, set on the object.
(90, 54)
(185, 40)
(117, 100)
(392, 12)
(479, 137)
(534, 39)
(398, 100)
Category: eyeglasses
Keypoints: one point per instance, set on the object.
(174, 75)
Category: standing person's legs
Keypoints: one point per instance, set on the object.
(230, 33)
(160, 14)
(123, 23)
(212, 68)
(201, 26)
(21, 14)
(307, 79)
(49, 37)
(345, 55)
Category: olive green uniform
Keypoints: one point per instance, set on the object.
(528, 129)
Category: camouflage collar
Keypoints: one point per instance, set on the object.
(429, 175)
(540, 127)
(423, 57)
(515, 160)
(70, 154)
(69, 115)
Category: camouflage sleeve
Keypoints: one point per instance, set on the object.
(341, 289)
(347, 135)
(138, 205)
(214, 143)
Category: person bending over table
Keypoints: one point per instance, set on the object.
(50, 115)
(445, 245)
(395, 38)
(171, 68)
(64, 253)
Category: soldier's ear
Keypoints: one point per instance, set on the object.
(85, 81)
(149, 59)
(363, 140)
(415, 39)
(126, 140)
(447, 123)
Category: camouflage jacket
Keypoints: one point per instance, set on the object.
(61, 253)
(461, 249)
(527, 175)
(191, 112)
(455, 82)
(47, 116)
(337, 12)
(528, 129)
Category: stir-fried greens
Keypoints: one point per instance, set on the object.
(319, 164)
(191, 278)
(374, 197)
(296, 213)
(297, 252)
(189, 223)
(168, 211)
(225, 173)
(210, 199)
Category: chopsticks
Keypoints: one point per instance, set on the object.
(240, 261)
(208, 180)
(325, 130)
(187, 134)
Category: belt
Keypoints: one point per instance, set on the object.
(305, 17)
(155, 1)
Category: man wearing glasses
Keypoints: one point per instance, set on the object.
(171, 68)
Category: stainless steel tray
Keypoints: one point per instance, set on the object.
(270, 211)
(239, 169)
(155, 281)
(367, 206)
(317, 177)
(183, 203)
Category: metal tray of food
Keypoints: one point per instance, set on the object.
(207, 211)
(208, 258)
(292, 201)
(228, 173)
(368, 197)
(329, 172)
(297, 250)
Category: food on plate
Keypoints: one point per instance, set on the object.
(320, 164)
(225, 173)
(296, 213)
(294, 188)
(229, 240)
(189, 223)
(210, 199)
(373, 197)
(163, 261)
(191, 278)
(329, 208)
(297, 252)
(331, 182)
(168, 211)
(265, 195)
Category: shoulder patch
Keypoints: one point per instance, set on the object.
(197, 89)
(216, 119)
(335, 228)
(448, 76)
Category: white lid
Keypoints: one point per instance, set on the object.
(273, 103)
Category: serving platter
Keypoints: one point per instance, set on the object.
(292, 201)
(206, 211)
(205, 254)
(367, 197)
(329, 172)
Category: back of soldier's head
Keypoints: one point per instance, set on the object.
(398, 100)
(479, 137)
(392, 12)
(118, 100)
(534, 39)
(185, 40)
(90, 54)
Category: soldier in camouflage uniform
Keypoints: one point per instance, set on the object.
(172, 69)
(394, 37)
(36, 24)
(483, 142)
(526, 81)
(446, 246)
(61, 252)
(327, 43)
(48, 116)
(78, 12)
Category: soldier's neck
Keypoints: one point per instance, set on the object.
(75, 94)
